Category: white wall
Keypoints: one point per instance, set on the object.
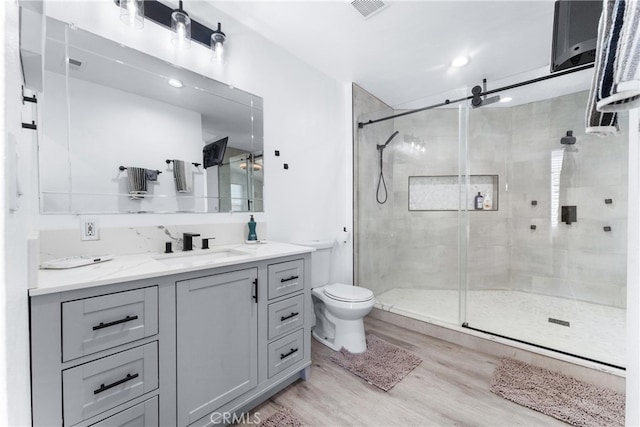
(633, 277)
(17, 146)
(304, 116)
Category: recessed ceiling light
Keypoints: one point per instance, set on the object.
(175, 83)
(460, 61)
(506, 99)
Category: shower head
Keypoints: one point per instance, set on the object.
(569, 139)
(383, 146)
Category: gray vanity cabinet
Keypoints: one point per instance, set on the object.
(217, 341)
(183, 349)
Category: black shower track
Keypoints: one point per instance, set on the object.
(489, 92)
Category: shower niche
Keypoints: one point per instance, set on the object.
(451, 193)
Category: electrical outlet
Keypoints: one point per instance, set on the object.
(89, 229)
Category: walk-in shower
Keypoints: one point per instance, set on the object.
(513, 268)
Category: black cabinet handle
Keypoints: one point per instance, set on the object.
(293, 350)
(289, 279)
(255, 290)
(103, 387)
(103, 325)
(283, 318)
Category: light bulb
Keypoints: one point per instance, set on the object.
(132, 13)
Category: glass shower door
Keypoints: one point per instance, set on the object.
(408, 246)
(546, 260)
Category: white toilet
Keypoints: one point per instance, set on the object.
(338, 308)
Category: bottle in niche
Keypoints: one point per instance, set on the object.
(253, 237)
(478, 202)
(488, 203)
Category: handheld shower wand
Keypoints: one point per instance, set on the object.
(381, 148)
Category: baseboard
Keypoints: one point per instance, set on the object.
(591, 372)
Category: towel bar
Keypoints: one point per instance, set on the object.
(193, 163)
(122, 168)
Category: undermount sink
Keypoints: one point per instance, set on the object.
(199, 257)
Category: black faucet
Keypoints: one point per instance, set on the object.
(187, 241)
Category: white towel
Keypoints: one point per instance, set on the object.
(597, 122)
(183, 176)
(621, 91)
(616, 81)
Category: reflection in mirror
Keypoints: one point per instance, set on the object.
(125, 132)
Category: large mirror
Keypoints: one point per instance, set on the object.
(123, 132)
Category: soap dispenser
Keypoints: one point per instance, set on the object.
(478, 202)
(253, 237)
(488, 203)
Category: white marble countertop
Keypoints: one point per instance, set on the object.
(148, 265)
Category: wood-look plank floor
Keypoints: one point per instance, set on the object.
(449, 388)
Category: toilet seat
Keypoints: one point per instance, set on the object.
(347, 293)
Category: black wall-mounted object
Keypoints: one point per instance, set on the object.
(534, 203)
(533, 227)
(161, 15)
(277, 153)
(286, 165)
(575, 31)
(608, 201)
(569, 214)
(607, 228)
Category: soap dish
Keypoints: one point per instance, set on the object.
(75, 261)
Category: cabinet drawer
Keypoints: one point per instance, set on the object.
(285, 352)
(98, 323)
(100, 385)
(286, 316)
(286, 277)
(143, 414)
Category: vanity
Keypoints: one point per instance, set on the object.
(146, 338)
(173, 340)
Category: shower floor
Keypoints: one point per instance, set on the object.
(596, 332)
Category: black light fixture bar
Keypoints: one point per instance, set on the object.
(161, 15)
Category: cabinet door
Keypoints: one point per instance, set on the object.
(217, 341)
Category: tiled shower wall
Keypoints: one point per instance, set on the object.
(399, 248)
(579, 260)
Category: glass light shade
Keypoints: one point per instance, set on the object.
(217, 50)
(132, 13)
(181, 27)
(218, 38)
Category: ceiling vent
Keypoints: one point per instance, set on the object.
(368, 8)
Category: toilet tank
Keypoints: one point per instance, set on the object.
(320, 261)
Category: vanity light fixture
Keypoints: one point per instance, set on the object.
(175, 83)
(184, 28)
(132, 13)
(460, 61)
(181, 27)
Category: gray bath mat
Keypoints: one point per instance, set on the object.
(382, 364)
(562, 397)
(283, 418)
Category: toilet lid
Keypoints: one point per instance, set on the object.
(348, 293)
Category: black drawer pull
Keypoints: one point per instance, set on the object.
(103, 387)
(283, 318)
(289, 279)
(103, 325)
(293, 350)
